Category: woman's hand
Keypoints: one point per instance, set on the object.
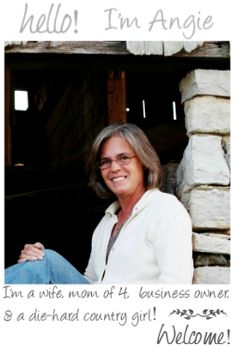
(32, 252)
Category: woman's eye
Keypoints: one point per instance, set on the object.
(124, 158)
(105, 162)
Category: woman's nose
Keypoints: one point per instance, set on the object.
(114, 165)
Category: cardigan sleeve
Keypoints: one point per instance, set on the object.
(171, 238)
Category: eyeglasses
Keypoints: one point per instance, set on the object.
(122, 160)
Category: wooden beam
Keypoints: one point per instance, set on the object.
(209, 49)
(68, 47)
(117, 97)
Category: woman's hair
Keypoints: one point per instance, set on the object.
(153, 174)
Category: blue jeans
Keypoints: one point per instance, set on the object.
(52, 269)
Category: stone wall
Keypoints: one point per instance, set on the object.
(203, 175)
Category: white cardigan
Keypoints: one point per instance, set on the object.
(154, 245)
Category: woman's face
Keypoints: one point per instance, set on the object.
(122, 180)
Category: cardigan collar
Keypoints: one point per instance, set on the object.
(144, 200)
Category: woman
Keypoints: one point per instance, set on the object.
(144, 236)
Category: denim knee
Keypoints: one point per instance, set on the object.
(50, 253)
(52, 256)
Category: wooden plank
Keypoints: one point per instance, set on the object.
(117, 97)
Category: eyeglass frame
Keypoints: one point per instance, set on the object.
(110, 161)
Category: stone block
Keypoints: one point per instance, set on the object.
(211, 243)
(209, 207)
(212, 275)
(207, 114)
(203, 163)
(205, 82)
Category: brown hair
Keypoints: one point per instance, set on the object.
(140, 144)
